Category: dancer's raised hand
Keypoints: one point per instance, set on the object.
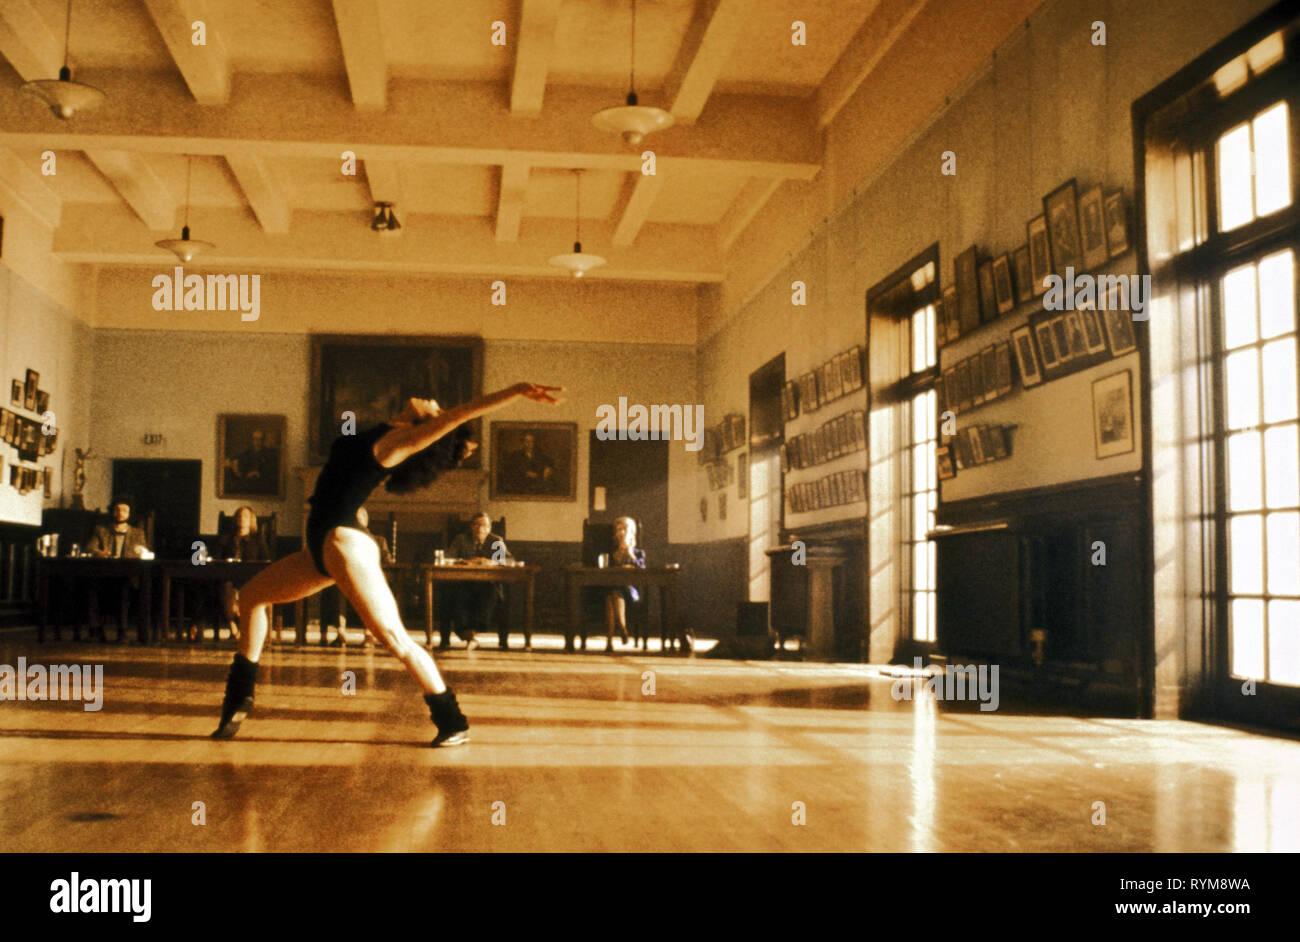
(539, 393)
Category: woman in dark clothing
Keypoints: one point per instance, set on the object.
(409, 452)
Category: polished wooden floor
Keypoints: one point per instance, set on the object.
(578, 758)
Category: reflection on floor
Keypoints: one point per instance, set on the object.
(589, 752)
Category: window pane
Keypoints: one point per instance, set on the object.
(934, 619)
(1284, 554)
(1279, 380)
(922, 418)
(1245, 555)
(920, 518)
(1239, 307)
(1277, 294)
(1284, 641)
(1243, 389)
(920, 558)
(1272, 170)
(920, 473)
(929, 335)
(1234, 179)
(921, 617)
(918, 341)
(1244, 478)
(1248, 637)
(1282, 466)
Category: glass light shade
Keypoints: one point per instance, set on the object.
(577, 262)
(185, 248)
(632, 121)
(63, 96)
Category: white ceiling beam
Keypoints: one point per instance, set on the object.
(29, 189)
(139, 185)
(206, 68)
(869, 45)
(534, 44)
(266, 198)
(32, 48)
(752, 197)
(702, 56)
(641, 193)
(361, 33)
(510, 201)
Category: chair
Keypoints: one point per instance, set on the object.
(597, 539)
(127, 584)
(267, 526)
(460, 526)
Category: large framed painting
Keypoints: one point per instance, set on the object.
(250, 456)
(534, 460)
(372, 375)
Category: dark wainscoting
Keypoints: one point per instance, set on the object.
(713, 583)
(18, 573)
(1023, 562)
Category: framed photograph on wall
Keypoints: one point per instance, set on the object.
(534, 461)
(1093, 333)
(47, 475)
(966, 278)
(976, 373)
(1046, 345)
(16, 393)
(1062, 339)
(1116, 215)
(1006, 299)
(1002, 354)
(1074, 331)
(250, 456)
(944, 463)
(1026, 359)
(961, 446)
(951, 325)
(789, 402)
(976, 441)
(1092, 228)
(1061, 207)
(1021, 270)
(855, 368)
(988, 297)
(964, 386)
(989, 369)
(29, 390)
(1112, 413)
(742, 475)
(1119, 331)
(42, 401)
(1040, 253)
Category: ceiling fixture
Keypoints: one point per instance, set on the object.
(186, 248)
(577, 262)
(632, 120)
(385, 220)
(64, 96)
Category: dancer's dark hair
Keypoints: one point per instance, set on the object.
(422, 468)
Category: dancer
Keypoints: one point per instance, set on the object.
(410, 451)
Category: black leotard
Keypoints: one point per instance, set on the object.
(344, 484)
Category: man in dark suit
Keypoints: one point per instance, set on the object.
(472, 603)
(119, 539)
(528, 471)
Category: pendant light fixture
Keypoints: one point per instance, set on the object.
(64, 96)
(186, 248)
(633, 121)
(384, 220)
(577, 262)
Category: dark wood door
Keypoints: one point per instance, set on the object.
(171, 489)
(635, 478)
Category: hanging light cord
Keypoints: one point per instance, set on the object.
(189, 179)
(633, 77)
(67, 33)
(577, 174)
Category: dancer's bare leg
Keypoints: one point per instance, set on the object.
(287, 580)
(352, 559)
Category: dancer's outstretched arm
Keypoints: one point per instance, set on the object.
(402, 442)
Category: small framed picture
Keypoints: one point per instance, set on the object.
(1046, 345)
(988, 297)
(1116, 215)
(855, 367)
(1093, 333)
(961, 446)
(1063, 352)
(989, 435)
(966, 383)
(1061, 207)
(989, 370)
(29, 390)
(1020, 269)
(976, 441)
(42, 401)
(1006, 299)
(1002, 354)
(1026, 359)
(1119, 330)
(976, 368)
(6, 423)
(950, 391)
(742, 475)
(16, 393)
(47, 475)
(1092, 228)
(1040, 253)
(944, 463)
(1000, 447)
(966, 278)
(789, 401)
(952, 326)
(1112, 413)
(940, 395)
(1074, 332)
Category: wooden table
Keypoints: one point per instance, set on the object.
(488, 573)
(577, 577)
(91, 569)
(213, 572)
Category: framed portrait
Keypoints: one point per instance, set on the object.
(1116, 216)
(964, 387)
(1112, 414)
(1092, 228)
(1074, 332)
(951, 326)
(534, 461)
(976, 441)
(16, 393)
(1006, 299)
(372, 376)
(1046, 345)
(29, 442)
(1026, 360)
(1062, 339)
(42, 401)
(1040, 253)
(1093, 333)
(950, 392)
(966, 278)
(250, 456)
(961, 450)
(1020, 271)
(1061, 207)
(855, 367)
(989, 369)
(1119, 331)
(944, 462)
(988, 297)
(989, 436)
(29, 390)
(47, 475)
(789, 401)
(6, 424)
(976, 373)
(1002, 354)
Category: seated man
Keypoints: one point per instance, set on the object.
(473, 602)
(120, 539)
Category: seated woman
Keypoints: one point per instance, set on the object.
(244, 542)
(626, 553)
